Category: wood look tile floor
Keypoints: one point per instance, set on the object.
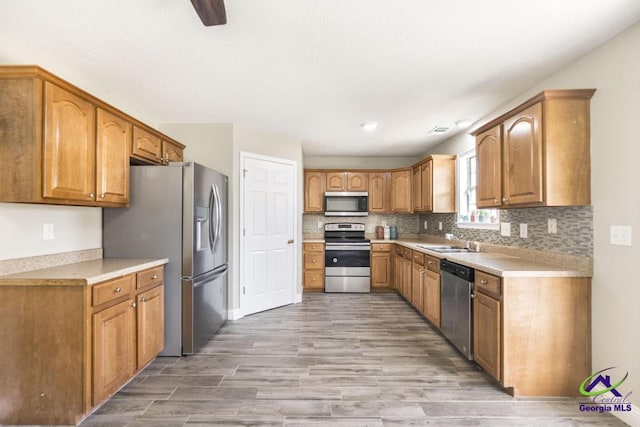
(333, 360)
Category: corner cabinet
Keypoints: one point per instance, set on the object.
(537, 154)
(110, 331)
(434, 180)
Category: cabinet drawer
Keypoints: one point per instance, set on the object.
(407, 253)
(313, 247)
(432, 263)
(488, 284)
(153, 276)
(418, 257)
(314, 279)
(113, 289)
(381, 247)
(313, 260)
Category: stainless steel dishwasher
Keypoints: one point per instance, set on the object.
(456, 287)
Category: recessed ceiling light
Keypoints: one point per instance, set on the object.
(369, 126)
(463, 123)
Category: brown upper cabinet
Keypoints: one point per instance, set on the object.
(379, 183)
(401, 190)
(153, 147)
(537, 154)
(314, 183)
(346, 181)
(61, 145)
(436, 178)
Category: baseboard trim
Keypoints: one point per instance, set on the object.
(235, 314)
(632, 417)
(297, 298)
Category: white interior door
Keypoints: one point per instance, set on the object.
(268, 268)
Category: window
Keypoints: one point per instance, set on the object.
(469, 216)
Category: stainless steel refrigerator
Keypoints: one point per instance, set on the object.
(178, 212)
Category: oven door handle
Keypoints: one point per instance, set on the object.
(347, 248)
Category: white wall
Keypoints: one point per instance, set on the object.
(614, 70)
(75, 228)
(218, 146)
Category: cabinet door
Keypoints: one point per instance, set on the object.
(357, 181)
(486, 339)
(426, 175)
(150, 324)
(380, 269)
(69, 154)
(171, 152)
(522, 157)
(401, 191)
(113, 141)
(432, 297)
(114, 348)
(407, 276)
(313, 279)
(399, 274)
(146, 145)
(417, 188)
(314, 192)
(379, 192)
(417, 286)
(336, 181)
(489, 168)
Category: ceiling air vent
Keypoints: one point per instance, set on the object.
(438, 130)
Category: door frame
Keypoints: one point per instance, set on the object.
(296, 296)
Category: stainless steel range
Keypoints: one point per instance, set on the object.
(347, 258)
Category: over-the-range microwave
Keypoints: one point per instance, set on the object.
(338, 203)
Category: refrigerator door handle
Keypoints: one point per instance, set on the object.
(212, 201)
(218, 216)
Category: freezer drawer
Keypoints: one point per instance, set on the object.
(204, 311)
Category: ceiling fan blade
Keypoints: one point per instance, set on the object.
(211, 12)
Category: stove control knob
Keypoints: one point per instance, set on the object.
(335, 260)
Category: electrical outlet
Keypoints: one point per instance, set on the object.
(505, 229)
(426, 223)
(319, 224)
(620, 235)
(552, 225)
(47, 231)
(523, 231)
(440, 225)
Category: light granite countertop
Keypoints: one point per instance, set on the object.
(82, 273)
(498, 264)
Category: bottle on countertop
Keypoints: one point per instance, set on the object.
(387, 232)
(379, 232)
(393, 232)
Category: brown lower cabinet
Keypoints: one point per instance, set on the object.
(431, 303)
(381, 266)
(74, 345)
(313, 263)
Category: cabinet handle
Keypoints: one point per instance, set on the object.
(133, 304)
(473, 296)
(313, 260)
(483, 282)
(143, 299)
(429, 262)
(495, 200)
(154, 277)
(91, 195)
(422, 271)
(504, 199)
(117, 290)
(102, 196)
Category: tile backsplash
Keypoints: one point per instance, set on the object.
(407, 224)
(574, 236)
(574, 225)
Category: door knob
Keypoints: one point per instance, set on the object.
(290, 241)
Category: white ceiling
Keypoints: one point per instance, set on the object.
(315, 70)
